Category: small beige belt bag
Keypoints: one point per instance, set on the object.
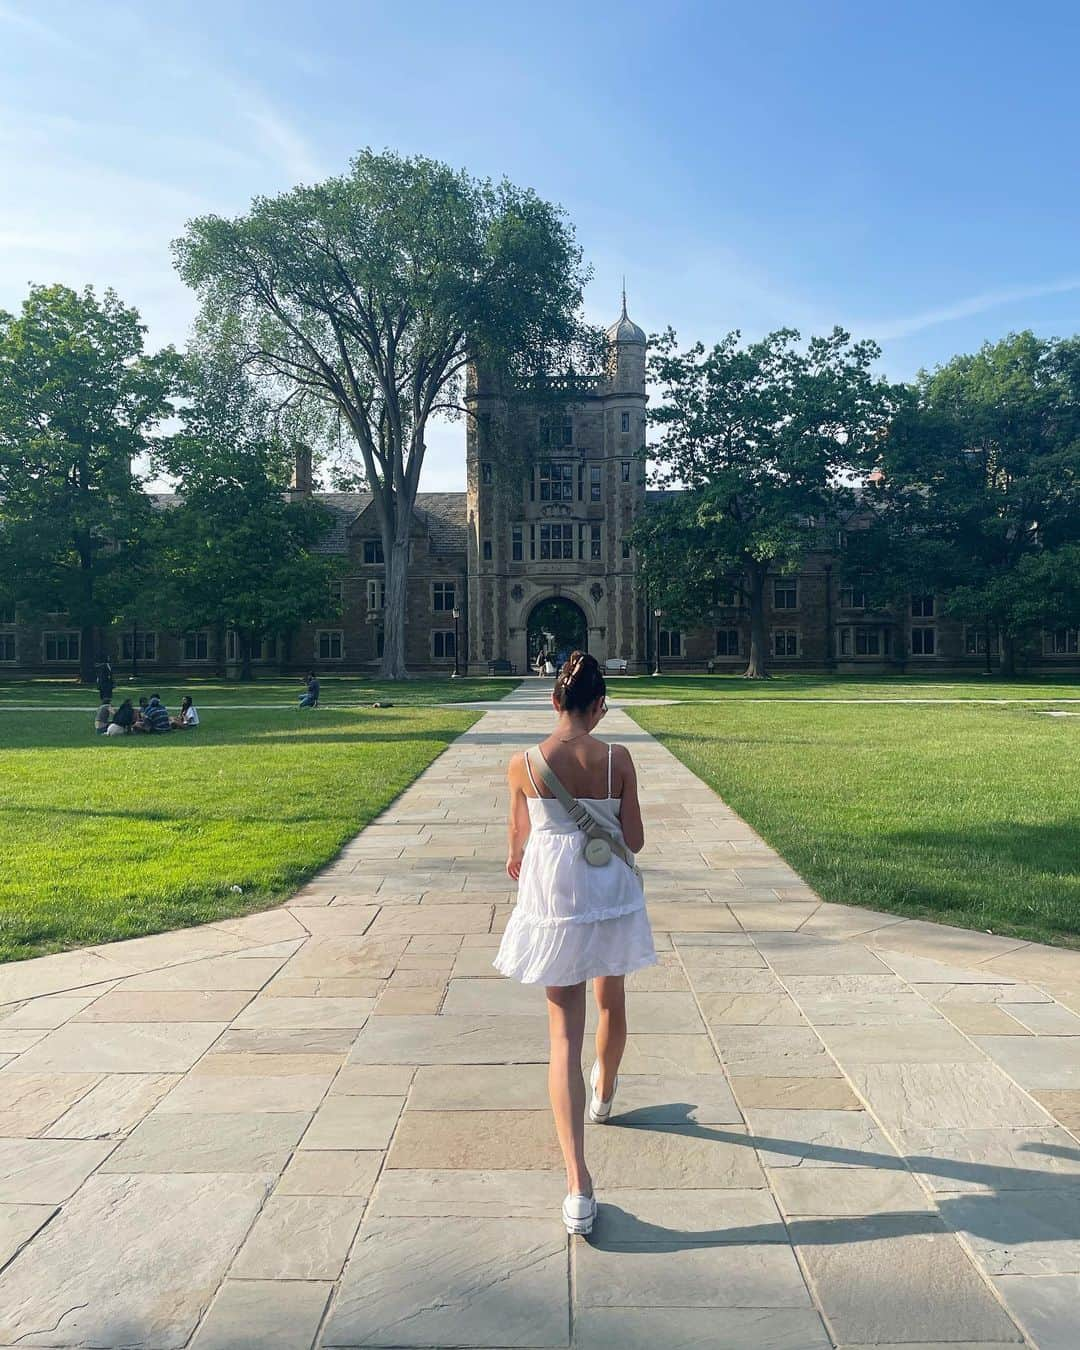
(600, 845)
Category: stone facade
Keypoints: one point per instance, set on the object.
(554, 483)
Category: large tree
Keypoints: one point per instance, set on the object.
(764, 439)
(369, 292)
(979, 498)
(238, 552)
(80, 402)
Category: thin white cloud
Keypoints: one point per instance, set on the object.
(885, 329)
(276, 136)
(26, 23)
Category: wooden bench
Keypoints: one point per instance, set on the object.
(500, 667)
(616, 665)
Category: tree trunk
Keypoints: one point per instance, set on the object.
(1008, 655)
(989, 655)
(757, 666)
(392, 666)
(244, 639)
(88, 654)
(87, 630)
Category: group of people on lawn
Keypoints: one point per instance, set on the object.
(151, 717)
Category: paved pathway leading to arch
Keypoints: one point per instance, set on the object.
(326, 1124)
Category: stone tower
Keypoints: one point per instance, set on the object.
(549, 563)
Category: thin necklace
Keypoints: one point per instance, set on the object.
(577, 737)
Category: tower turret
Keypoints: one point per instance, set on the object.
(626, 354)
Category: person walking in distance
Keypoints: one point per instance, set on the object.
(574, 828)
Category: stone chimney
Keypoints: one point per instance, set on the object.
(301, 479)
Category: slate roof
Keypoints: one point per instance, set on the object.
(443, 514)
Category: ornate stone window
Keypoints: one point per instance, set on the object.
(785, 642)
(785, 593)
(556, 542)
(556, 481)
(556, 433)
(727, 642)
(330, 644)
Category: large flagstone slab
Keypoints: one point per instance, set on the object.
(469, 1193)
(453, 1282)
(475, 1139)
(47, 1171)
(126, 1047)
(243, 971)
(211, 1142)
(18, 1224)
(447, 1039)
(299, 1237)
(685, 1275)
(994, 1160)
(264, 1315)
(898, 1277)
(131, 1261)
(116, 1104)
(702, 1329)
(930, 1096)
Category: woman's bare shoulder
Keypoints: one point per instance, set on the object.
(621, 757)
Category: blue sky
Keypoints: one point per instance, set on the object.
(909, 171)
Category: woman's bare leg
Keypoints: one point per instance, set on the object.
(610, 993)
(566, 1086)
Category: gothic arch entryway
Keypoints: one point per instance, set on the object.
(558, 627)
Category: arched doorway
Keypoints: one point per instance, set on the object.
(558, 627)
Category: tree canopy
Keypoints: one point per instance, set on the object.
(237, 551)
(367, 294)
(764, 440)
(980, 496)
(80, 403)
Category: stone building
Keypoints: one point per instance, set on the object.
(534, 556)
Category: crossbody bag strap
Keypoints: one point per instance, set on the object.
(578, 812)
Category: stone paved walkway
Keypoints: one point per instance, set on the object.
(327, 1124)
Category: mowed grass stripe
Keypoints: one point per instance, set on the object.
(968, 815)
(336, 691)
(839, 688)
(106, 838)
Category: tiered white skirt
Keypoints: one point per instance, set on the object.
(573, 922)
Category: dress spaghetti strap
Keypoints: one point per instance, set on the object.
(528, 770)
(609, 750)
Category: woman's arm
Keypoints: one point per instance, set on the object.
(518, 819)
(633, 827)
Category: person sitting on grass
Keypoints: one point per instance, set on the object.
(156, 716)
(187, 717)
(102, 718)
(310, 697)
(123, 720)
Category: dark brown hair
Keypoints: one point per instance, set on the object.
(579, 683)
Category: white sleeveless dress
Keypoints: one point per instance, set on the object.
(573, 921)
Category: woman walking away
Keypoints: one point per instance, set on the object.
(575, 825)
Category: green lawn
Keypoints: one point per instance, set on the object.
(967, 814)
(336, 691)
(694, 688)
(107, 838)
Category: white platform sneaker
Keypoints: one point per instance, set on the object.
(579, 1214)
(599, 1110)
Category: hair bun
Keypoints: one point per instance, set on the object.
(580, 682)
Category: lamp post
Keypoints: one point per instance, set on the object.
(657, 615)
(457, 615)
